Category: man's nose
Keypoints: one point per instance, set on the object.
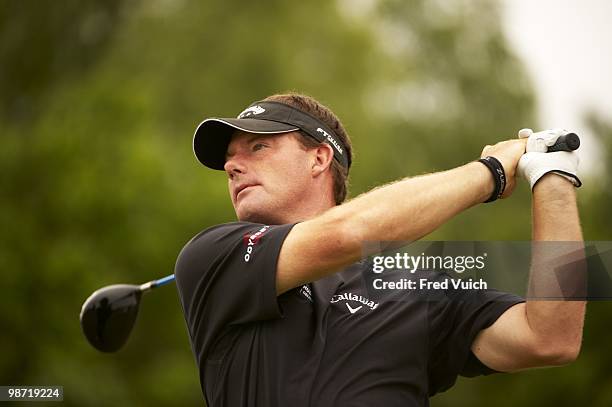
(234, 165)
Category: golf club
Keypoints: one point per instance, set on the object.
(109, 314)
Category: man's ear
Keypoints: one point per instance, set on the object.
(323, 157)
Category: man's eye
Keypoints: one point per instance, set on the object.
(258, 146)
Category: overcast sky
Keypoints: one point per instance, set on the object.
(567, 49)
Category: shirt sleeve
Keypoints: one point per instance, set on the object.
(227, 275)
(455, 321)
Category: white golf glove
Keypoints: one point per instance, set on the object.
(536, 162)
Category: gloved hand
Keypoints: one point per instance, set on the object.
(536, 162)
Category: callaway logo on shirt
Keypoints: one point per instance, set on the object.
(354, 298)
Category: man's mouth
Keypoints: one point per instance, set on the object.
(243, 188)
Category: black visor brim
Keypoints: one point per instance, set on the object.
(213, 135)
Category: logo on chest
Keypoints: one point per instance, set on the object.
(354, 302)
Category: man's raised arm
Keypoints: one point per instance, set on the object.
(543, 332)
(405, 210)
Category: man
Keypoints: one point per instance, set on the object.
(276, 305)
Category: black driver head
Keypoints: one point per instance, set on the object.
(108, 316)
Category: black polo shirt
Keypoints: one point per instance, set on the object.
(327, 343)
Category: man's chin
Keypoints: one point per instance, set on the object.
(246, 214)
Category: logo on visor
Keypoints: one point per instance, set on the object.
(250, 111)
(330, 139)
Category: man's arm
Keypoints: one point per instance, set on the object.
(405, 210)
(542, 333)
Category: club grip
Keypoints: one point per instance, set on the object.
(568, 142)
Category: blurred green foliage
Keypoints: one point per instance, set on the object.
(98, 103)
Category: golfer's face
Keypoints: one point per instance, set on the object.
(268, 176)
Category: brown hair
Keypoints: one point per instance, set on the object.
(321, 112)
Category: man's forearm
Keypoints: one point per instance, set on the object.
(412, 208)
(555, 212)
(557, 324)
(405, 210)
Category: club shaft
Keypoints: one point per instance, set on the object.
(156, 283)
